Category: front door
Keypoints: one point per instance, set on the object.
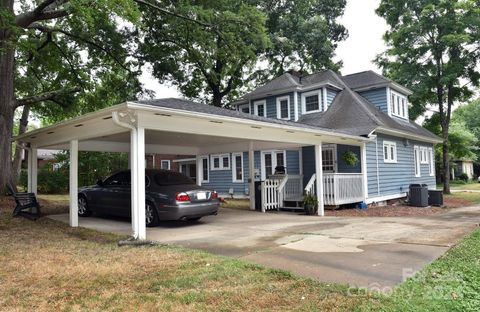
(270, 160)
(328, 159)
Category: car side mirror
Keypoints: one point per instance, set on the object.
(99, 182)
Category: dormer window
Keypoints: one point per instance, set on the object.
(260, 108)
(283, 107)
(311, 101)
(398, 105)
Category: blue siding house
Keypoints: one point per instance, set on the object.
(398, 152)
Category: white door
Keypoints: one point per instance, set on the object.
(270, 160)
(328, 159)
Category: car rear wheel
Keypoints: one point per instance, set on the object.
(83, 210)
(151, 216)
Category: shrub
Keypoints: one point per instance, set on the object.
(463, 177)
(48, 181)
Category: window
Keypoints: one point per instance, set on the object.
(311, 101)
(389, 152)
(416, 160)
(237, 167)
(431, 167)
(165, 164)
(221, 162)
(399, 105)
(283, 107)
(260, 108)
(204, 169)
(423, 155)
(245, 108)
(328, 158)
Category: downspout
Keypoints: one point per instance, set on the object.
(376, 156)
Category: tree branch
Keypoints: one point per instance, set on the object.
(88, 41)
(26, 19)
(44, 96)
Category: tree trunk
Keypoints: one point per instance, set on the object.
(19, 151)
(217, 97)
(446, 162)
(7, 59)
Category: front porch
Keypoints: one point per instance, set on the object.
(340, 184)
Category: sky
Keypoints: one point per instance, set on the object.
(364, 42)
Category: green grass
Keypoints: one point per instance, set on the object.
(473, 197)
(47, 266)
(460, 185)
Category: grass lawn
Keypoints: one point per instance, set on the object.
(470, 186)
(46, 265)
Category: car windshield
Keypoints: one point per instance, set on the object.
(171, 178)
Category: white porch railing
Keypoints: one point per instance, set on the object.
(310, 187)
(279, 188)
(342, 188)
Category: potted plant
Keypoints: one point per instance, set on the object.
(310, 204)
(350, 158)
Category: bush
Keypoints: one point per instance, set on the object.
(48, 181)
(463, 177)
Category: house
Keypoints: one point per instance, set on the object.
(462, 166)
(365, 104)
(345, 139)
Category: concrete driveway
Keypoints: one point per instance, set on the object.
(362, 251)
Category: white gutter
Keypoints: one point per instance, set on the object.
(408, 135)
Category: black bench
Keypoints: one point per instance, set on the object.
(26, 204)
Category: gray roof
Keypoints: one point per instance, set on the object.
(191, 106)
(283, 82)
(365, 79)
(353, 114)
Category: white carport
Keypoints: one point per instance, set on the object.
(140, 128)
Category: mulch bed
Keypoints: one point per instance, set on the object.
(398, 208)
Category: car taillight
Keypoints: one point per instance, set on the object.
(182, 197)
(214, 195)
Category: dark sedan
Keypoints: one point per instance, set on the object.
(169, 196)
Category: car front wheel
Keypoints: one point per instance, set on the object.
(151, 216)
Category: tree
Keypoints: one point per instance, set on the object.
(198, 58)
(221, 61)
(462, 142)
(469, 114)
(50, 50)
(304, 34)
(433, 49)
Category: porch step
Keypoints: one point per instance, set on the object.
(293, 203)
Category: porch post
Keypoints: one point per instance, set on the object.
(73, 179)
(199, 170)
(319, 178)
(32, 170)
(251, 176)
(363, 155)
(137, 157)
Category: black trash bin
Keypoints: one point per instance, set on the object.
(435, 197)
(418, 195)
(258, 195)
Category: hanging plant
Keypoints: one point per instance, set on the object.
(350, 158)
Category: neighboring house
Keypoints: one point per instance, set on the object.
(462, 166)
(164, 161)
(44, 157)
(365, 104)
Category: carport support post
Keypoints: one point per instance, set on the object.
(32, 170)
(319, 178)
(251, 176)
(73, 183)
(137, 153)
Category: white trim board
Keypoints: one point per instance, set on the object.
(385, 197)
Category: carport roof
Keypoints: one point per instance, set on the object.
(183, 117)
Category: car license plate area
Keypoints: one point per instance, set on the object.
(201, 195)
